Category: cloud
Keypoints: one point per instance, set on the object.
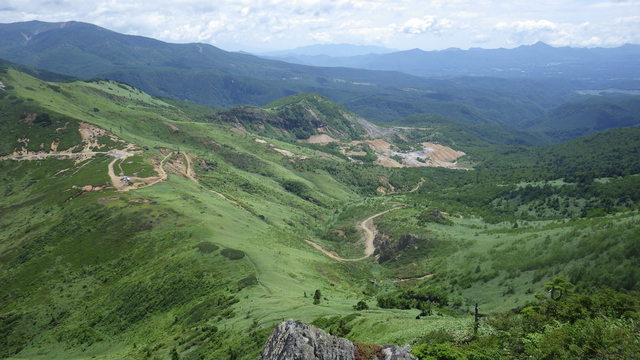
(273, 24)
(527, 26)
(616, 32)
(426, 24)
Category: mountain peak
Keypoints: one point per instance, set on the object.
(541, 45)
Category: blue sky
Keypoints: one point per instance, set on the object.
(262, 25)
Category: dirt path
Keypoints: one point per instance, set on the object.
(413, 278)
(189, 173)
(417, 185)
(369, 234)
(225, 198)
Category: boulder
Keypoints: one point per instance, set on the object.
(293, 340)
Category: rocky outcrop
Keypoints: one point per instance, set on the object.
(293, 340)
(388, 248)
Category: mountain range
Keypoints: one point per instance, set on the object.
(466, 217)
(528, 61)
(207, 75)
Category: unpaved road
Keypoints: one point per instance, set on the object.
(369, 234)
(413, 278)
(117, 183)
(417, 186)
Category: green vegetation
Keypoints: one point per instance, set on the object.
(204, 264)
(232, 254)
(601, 325)
(297, 117)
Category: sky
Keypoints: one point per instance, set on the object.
(266, 25)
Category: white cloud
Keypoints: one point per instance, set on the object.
(586, 34)
(527, 25)
(269, 24)
(426, 24)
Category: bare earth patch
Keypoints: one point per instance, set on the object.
(171, 126)
(319, 139)
(238, 131)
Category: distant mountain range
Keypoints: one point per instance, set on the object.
(331, 50)
(200, 73)
(538, 60)
(535, 79)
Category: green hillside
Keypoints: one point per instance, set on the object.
(587, 116)
(204, 74)
(203, 249)
(296, 116)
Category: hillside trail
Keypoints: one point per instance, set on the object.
(117, 183)
(418, 185)
(369, 234)
(426, 276)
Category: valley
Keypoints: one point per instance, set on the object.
(140, 227)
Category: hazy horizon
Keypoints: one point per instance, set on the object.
(273, 25)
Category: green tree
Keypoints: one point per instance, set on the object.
(558, 287)
(361, 305)
(316, 297)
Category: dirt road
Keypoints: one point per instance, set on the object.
(417, 186)
(369, 234)
(413, 278)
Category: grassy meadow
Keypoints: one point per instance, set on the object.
(206, 269)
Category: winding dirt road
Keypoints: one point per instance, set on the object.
(417, 185)
(369, 234)
(117, 183)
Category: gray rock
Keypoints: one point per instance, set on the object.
(395, 352)
(293, 340)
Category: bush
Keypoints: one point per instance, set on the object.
(232, 254)
(296, 187)
(246, 282)
(586, 339)
(367, 351)
(361, 305)
(42, 119)
(206, 247)
(438, 352)
(433, 216)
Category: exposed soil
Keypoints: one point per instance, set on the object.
(418, 185)
(369, 232)
(181, 165)
(138, 183)
(171, 126)
(284, 152)
(319, 139)
(403, 279)
(443, 156)
(238, 131)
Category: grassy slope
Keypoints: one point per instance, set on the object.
(142, 287)
(86, 292)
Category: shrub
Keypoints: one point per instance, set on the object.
(367, 351)
(42, 119)
(434, 216)
(296, 187)
(246, 282)
(232, 254)
(361, 305)
(438, 352)
(206, 247)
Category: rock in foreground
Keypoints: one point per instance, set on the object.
(293, 340)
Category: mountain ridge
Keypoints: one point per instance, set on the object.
(536, 60)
